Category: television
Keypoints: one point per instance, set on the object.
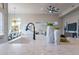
(72, 27)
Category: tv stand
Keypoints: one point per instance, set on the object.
(74, 35)
(71, 34)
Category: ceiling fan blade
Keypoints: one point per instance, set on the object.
(58, 9)
(50, 6)
(53, 7)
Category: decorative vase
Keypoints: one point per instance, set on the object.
(50, 34)
(57, 36)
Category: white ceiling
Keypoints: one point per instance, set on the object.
(36, 8)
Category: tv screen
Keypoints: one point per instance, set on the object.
(72, 27)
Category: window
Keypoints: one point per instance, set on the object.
(1, 23)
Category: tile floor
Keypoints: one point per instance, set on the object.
(25, 46)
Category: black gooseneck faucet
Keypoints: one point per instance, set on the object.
(33, 29)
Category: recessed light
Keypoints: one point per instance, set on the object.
(41, 9)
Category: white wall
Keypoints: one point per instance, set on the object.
(26, 18)
(4, 23)
(70, 18)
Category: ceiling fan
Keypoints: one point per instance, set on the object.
(53, 9)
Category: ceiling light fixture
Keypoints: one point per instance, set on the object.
(53, 9)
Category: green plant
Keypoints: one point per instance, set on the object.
(56, 27)
(49, 24)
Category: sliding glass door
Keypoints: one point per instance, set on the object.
(1, 24)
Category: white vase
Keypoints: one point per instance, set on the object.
(57, 36)
(50, 34)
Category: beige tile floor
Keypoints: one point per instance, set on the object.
(25, 46)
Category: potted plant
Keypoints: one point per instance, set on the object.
(50, 33)
(50, 24)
